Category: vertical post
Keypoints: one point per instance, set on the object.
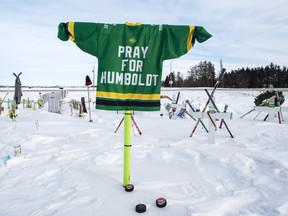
(271, 112)
(90, 120)
(127, 147)
(93, 71)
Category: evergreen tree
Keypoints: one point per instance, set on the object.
(171, 80)
(202, 74)
(178, 80)
(166, 82)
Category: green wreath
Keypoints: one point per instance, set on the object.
(268, 94)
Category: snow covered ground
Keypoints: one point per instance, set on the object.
(69, 166)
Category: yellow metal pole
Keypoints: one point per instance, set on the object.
(127, 147)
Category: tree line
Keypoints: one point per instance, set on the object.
(204, 75)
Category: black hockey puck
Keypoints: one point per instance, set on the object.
(129, 187)
(161, 202)
(140, 208)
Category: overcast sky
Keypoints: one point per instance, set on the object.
(245, 33)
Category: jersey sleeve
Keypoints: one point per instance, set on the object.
(84, 35)
(178, 40)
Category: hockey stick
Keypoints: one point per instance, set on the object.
(174, 109)
(225, 110)
(212, 121)
(207, 103)
(133, 121)
(139, 131)
(5, 95)
(247, 113)
(257, 115)
(178, 95)
(119, 125)
(189, 115)
(217, 110)
(190, 105)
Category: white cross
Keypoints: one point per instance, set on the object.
(212, 115)
(271, 110)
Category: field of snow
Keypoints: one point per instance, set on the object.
(69, 166)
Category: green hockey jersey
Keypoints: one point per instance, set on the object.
(130, 58)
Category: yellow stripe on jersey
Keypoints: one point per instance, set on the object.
(189, 38)
(71, 30)
(133, 24)
(128, 95)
